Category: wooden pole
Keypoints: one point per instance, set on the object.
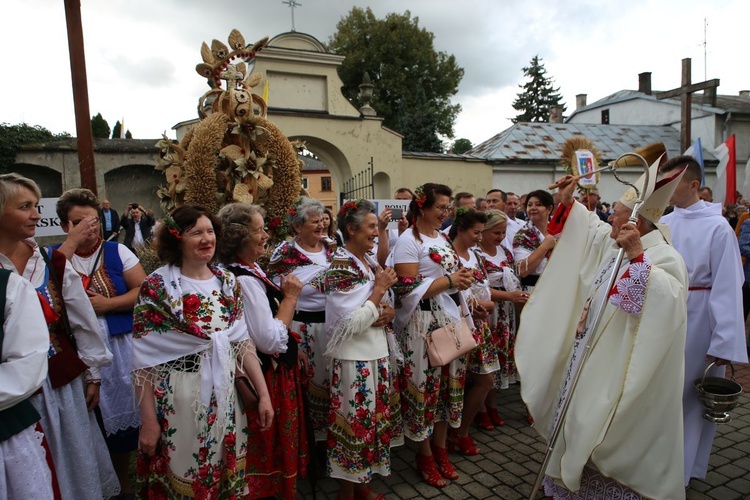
(687, 103)
(85, 138)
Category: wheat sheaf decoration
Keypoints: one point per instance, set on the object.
(234, 153)
(574, 151)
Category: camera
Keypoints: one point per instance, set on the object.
(134, 205)
(396, 214)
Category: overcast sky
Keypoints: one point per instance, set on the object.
(141, 54)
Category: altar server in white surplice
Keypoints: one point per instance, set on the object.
(716, 330)
(622, 434)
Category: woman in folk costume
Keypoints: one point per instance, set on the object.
(24, 342)
(76, 351)
(363, 424)
(189, 338)
(505, 289)
(622, 434)
(307, 257)
(429, 279)
(275, 458)
(111, 276)
(482, 362)
(532, 244)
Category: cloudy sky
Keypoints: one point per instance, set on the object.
(141, 54)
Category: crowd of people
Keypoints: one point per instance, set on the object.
(235, 370)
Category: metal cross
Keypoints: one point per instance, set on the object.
(292, 4)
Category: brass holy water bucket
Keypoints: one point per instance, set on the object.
(718, 395)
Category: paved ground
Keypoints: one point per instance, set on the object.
(511, 457)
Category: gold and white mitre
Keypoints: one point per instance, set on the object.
(657, 194)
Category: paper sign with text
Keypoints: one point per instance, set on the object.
(381, 205)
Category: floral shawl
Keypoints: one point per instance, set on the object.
(286, 258)
(164, 332)
(503, 275)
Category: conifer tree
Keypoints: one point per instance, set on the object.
(99, 127)
(538, 94)
(117, 130)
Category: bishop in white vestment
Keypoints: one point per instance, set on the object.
(622, 435)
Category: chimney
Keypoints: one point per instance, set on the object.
(644, 83)
(556, 114)
(580, 101)
(744, 93)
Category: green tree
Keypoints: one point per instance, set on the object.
(117, 130)
(100, 127)
(13, 136)
(538, 94)
(128, 135)
(461, 146)
(401, 60)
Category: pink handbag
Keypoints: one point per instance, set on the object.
(449, 342)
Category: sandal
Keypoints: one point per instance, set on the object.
(495, 417)
(465, 445)
(364, 492)
(443, 463)
(426, 466)
(483, 421)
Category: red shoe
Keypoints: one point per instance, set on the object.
(495, 417)
(443, 463)
(465, 445)
(483, 421)
(364, 492)
(426, 466)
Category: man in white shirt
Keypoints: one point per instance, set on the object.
(512, 203)
(715, 326)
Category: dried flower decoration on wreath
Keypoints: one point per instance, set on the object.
(420, 196)
(172, 227)
(349, 208)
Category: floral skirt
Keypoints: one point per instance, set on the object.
(361, 429)
(483, 359)
(316, 381)
(194, 458)
(428, 394)
(504, 335)
(278, 456)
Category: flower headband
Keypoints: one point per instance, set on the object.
(172, 227)
(420, 196)
(348, 208)
(460, 212)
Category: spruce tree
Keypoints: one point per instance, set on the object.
(117, 130)
(538, 94)
(99, 127)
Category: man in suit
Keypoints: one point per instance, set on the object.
(137, 225)
(110, 220)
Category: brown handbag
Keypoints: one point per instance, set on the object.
(449, 342)
(246, 393)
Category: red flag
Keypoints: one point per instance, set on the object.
(726, 170)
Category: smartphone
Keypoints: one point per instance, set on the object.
(396, 214)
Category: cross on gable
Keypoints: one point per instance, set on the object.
(686, 97)
(232, 76)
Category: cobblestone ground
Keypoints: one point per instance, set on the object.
(511, 456)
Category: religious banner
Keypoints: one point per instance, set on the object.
(586, 163)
